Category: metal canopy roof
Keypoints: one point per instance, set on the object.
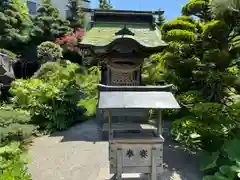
(142, 100)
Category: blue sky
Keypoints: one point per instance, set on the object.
(172, 8)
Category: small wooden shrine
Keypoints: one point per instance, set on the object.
(120, 40)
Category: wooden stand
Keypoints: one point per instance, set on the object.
(135, 148)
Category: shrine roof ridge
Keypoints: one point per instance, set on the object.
(123, 12)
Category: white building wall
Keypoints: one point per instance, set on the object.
(61, 5)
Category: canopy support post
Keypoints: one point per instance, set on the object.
(109, 132)
(109, 124)
(159, 122)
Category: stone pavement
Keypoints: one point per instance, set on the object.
(78, 154)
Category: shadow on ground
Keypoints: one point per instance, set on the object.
(179, 163)
(89, 131)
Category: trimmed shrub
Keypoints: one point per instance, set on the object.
(48, 51)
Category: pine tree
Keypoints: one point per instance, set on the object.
(76, 15)
(14, 23)
(160, 19)
(225, 8)
(201, 51)
(48, 25)
(104, 4)
(199, 61)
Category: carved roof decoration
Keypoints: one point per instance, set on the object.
(124, 31)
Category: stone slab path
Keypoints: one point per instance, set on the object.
(78, 154)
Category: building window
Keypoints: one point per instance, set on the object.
(32, 6)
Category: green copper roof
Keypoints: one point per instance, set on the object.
(103, 34)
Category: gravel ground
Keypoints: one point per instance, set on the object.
(78, 154)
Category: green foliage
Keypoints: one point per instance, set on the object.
(207, 125)
(89, 84)
(47, 70)
(15, 125)
(15, 23)
(153, 69)
(210, 161)
(53, 95)
(229, 13)
(105, 4)
(13, 162)
(15, 132)
(180, 35)
(160, 19)
(13, 56)
(76, 17)
(52, 100)
(9, 53)
(179, 24)
(48, 25)
(235, 49)
(181, 32)
(186, 18)
(202, 62)
(190, 98)
(229, 10)
(225, 163)
(215, 29)
(180, 59)
(49, 51)
(198, 8)
(183, 129)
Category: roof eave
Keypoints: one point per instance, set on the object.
(109, 45)
(127, 12)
